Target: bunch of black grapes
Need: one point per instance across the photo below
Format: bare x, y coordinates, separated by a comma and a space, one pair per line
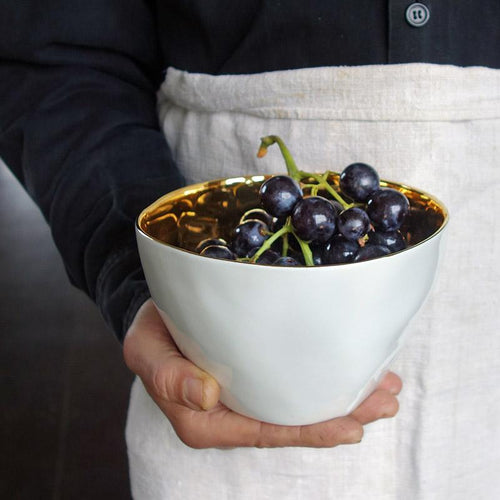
304, 220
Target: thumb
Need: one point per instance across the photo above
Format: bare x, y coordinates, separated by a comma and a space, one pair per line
151, 353
174, 379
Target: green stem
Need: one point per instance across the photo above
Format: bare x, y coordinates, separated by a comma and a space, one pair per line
322, 183
306, 251
291, 167
284, 250
283, 232
268, 243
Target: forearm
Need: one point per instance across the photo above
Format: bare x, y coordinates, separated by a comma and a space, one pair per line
79, 129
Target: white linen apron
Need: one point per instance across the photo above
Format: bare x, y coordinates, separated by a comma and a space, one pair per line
434, 127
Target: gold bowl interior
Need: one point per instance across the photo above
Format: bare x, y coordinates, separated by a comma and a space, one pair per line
185, 217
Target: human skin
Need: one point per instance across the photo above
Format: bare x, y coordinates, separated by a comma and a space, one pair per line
189, 398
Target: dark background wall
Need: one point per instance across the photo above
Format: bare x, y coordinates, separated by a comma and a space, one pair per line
64, 386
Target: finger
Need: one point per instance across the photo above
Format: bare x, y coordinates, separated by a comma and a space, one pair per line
224, 428
380, 404
151, 353
342, 430
391, 383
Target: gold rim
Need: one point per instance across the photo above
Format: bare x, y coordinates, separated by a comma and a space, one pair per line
167, 220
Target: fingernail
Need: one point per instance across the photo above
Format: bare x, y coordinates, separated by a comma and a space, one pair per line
395, 390
193, 392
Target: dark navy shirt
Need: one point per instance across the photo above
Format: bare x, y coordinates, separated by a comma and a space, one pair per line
78, 80
254, 36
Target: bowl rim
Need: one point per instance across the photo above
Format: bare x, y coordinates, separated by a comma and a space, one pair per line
228, 181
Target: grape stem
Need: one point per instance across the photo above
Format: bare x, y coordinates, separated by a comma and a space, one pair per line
267, 244
306, 250
284, 251
287, 228
291, 167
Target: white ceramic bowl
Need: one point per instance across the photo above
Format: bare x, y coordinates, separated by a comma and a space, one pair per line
288, 345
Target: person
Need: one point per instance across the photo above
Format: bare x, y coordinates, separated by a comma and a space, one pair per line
108, 105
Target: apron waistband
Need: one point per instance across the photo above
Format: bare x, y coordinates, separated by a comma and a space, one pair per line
400, 92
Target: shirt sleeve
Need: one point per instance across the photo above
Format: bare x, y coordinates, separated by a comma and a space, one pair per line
78, 128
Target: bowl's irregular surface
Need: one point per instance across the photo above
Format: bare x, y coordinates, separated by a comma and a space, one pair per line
288, 345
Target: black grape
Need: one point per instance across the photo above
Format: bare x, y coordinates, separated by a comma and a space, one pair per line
317, 250
339, 250
359, 181
247, 235
218, 252
353, 223
337, 206
286, 262
279, 194
387, 209
267, 257
393, 240
313, 219
369, 252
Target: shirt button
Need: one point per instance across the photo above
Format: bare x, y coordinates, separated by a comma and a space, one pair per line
417, 15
